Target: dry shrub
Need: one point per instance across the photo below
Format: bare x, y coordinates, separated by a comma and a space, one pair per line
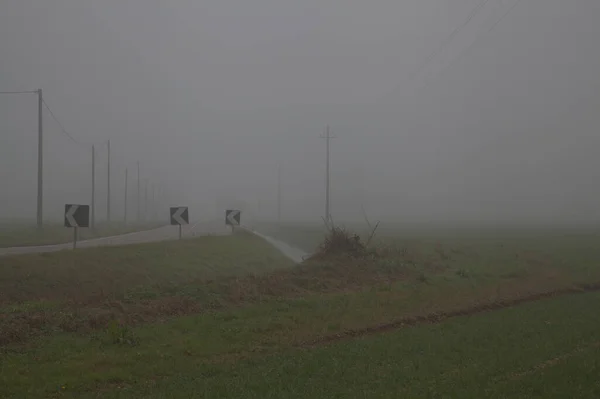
341, 242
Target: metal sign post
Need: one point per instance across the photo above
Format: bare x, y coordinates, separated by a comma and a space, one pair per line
232, 218
179, 217
76, 216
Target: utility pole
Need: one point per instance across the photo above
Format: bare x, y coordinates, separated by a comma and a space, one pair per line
278, 193
145, 200
108, 184
40, 182
93, 187
153, 204
327, 138
157, 201
125, 206
327, 210
40, 171
138, 192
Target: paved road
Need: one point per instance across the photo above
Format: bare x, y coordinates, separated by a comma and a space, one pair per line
164, 233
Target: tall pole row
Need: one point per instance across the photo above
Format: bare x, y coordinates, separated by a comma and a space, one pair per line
148, 213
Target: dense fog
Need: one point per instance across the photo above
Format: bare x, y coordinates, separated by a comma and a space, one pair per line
443, 111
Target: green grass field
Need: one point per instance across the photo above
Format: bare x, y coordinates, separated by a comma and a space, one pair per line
548, 349
83, 290
424, 316
15, 235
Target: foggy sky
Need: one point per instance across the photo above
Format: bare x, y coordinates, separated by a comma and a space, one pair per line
211, 96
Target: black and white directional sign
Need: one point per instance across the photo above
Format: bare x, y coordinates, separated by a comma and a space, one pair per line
77, 215
179, 215
232, 217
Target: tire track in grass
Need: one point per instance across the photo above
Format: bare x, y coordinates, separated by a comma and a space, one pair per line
438, 317
551, 362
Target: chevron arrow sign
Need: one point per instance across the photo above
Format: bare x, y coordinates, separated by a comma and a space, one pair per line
179, 215
77, 215
232, 217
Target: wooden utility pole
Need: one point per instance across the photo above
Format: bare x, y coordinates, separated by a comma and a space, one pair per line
138, 194
93, 221
145, 200
108, 184
279, 194
327, 138
125, 206
40, 176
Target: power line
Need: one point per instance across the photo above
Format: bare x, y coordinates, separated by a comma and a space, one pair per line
515, 4
62, 128
477, 40
481, 36
450, 37
19, 92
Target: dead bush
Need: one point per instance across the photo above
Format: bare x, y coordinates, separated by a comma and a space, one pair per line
341, 242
